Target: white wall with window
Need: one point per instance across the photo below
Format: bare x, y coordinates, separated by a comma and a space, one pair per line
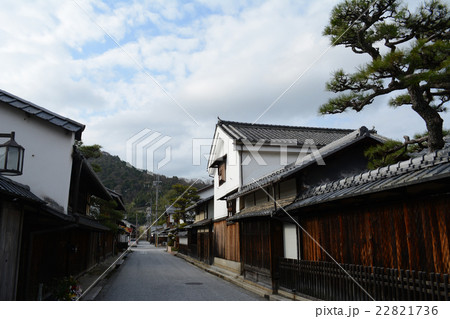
224, 159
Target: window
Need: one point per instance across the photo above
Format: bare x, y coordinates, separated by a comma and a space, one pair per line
231, 207
221, 165
222, 172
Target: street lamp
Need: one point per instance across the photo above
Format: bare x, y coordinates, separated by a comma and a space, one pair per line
11, 156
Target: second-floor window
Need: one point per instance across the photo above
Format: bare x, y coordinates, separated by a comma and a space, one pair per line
231, 205
222, 171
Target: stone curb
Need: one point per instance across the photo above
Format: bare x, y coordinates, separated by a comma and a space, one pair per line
105, 268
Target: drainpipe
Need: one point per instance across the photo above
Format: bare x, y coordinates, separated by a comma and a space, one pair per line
76, 190
241, 180
274, 199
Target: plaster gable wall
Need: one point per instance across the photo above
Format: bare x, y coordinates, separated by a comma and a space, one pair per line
224, 145
48, 155
243, 166
273, 158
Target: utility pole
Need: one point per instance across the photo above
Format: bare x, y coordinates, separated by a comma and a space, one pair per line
137, 230
156, 185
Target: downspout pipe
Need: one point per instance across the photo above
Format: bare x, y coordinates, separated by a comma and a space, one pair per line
274, 199
76, 188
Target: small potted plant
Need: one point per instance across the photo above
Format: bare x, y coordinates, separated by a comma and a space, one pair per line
68, 289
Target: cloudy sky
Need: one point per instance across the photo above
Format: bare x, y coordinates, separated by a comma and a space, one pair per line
170, 68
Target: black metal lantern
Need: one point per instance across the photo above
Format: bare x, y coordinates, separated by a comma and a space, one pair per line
11, 156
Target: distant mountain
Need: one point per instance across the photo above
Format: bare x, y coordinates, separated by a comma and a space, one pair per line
136, 186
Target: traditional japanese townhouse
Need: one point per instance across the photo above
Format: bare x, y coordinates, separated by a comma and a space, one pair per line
199, 240
57, 237
263, 238
383, 234
16, 200
243, 152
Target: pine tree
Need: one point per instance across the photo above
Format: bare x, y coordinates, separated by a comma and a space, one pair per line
181, 197
409, 54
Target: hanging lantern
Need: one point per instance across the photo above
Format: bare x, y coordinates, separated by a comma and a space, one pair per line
11, 156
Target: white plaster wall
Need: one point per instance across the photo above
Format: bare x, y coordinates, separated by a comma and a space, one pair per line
48, 155
290, 240
223, 145
271, 160
268, 159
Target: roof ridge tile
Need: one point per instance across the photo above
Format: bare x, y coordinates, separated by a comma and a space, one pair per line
283, 126
41, 112
379, 176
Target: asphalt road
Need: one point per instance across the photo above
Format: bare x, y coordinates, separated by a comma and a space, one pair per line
151, 274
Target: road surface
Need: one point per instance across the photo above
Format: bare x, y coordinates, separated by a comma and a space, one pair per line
152, 274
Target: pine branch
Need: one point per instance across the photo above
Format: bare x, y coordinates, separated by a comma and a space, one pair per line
407, 142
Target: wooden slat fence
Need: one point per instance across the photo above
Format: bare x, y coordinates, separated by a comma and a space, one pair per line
328, 281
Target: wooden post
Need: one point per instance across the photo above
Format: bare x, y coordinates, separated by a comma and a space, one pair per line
11, 220
433, 294
446, 289
402, 286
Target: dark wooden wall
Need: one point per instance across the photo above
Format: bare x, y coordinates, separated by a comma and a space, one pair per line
256, 243
53, 255
192, 243
261, 248
204, 247
226, 241
412, 234
11, 216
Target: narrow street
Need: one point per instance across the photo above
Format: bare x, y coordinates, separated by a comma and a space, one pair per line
152, 274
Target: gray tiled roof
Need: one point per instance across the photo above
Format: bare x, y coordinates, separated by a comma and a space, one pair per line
422, 169
281, 133
200, 223
42, 113
117, 198
200, 202
287, 171
257, 213
90, 223
261, 210
14, 189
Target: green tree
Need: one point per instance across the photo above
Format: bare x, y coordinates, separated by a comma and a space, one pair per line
106, 212
408, 52
393, 151
135, 214
90, 152
181, 197
385, 154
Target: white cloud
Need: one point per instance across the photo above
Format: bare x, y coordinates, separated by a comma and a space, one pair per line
216, 58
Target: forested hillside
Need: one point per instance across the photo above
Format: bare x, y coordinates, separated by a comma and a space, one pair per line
136, 186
